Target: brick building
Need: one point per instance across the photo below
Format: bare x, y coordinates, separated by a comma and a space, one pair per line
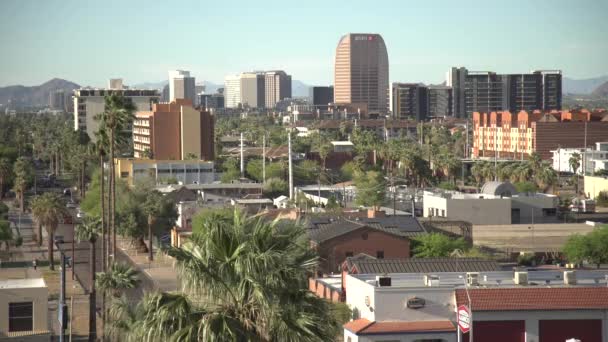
172, 131
335, 239
516, 135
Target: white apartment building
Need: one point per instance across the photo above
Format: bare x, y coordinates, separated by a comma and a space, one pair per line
232, 91
90, 102
24, 310
591, 160
181, 85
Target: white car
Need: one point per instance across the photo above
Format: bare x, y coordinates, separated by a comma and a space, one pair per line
80, 214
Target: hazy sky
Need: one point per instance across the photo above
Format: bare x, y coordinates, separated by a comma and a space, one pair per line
89, 41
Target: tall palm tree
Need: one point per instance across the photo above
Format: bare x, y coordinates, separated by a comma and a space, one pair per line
88, 230
118, 278
101, 147
23, 172
5, 173
575, 162
244, 280
116, 118
49, 210
153, 206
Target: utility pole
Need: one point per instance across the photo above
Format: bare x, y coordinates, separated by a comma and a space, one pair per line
73, 249
394, 196
242, 159
62, 309
290, 166
264, 159
585, 152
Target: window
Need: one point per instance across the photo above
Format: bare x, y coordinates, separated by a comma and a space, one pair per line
349, 254
380, 254
549, 211
20, 316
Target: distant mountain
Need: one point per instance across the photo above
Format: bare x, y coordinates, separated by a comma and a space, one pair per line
582, 87
601, 91
299, 89
22, 96
210, 87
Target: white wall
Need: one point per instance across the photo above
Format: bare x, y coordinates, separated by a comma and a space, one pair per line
473, 210
39, 296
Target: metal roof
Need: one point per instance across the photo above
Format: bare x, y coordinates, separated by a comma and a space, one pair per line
323, 229
363, 265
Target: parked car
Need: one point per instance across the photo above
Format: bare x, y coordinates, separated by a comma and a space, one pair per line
67, 192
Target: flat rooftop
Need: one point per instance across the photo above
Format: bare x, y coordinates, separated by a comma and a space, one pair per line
22, 283
494, 279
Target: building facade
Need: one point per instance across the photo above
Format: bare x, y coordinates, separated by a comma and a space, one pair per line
185, 172
589, 160
90, 102
321, 96
486, 91
211, 101
277, 87
24, 310
173, 131
181, 85
232, 91
439, 101
516, 135
410, 101
253, 89
362, 71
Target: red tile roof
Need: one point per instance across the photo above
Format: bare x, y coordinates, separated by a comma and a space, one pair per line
364, 327
543, 298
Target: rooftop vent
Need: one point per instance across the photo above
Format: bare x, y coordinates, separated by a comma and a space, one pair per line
520, 278
383, 281
431, 280
570, 277
472, 278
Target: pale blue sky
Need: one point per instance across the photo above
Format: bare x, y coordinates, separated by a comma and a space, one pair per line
89, 41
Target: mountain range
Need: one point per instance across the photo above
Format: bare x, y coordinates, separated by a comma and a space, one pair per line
19, 95
582, 86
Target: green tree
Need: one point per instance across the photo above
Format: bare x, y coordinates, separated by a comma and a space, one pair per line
436, 245
23, 171
371, 189
6, 233
117, 279
306, 171
48, 209
575, 162
245, 279
5, 174
88, 230
275, 187
592, 247
153, 207
526, 187
231, 170
115, 119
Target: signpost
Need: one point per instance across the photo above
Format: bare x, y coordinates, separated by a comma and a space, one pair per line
464, 319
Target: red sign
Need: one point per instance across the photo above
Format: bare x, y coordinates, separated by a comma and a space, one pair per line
464, 319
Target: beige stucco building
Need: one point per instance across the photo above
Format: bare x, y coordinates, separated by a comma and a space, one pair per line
24, 310
159, 171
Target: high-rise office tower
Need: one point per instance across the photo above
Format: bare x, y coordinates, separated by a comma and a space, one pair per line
485, 91
439, 101
181, 85
361, 71
410, 101
253, 89
232, 91
321, 97
277, 87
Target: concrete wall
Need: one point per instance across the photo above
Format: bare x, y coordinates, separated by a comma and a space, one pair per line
531, 208
444, 337
39, 296
190, 132
475, 211
390, 304
356, 291
593, 185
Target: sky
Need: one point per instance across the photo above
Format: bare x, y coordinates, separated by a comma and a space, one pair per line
88, 42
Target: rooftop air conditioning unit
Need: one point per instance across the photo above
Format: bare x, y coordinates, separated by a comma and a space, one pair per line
570, 277
383, 281
431, 280
472, 278
520, 278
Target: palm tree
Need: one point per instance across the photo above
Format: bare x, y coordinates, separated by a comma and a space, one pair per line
153, 206
48, 210
545, 176
88, 230
574, 162
118, 278
5, 173
116, 118
101, 147
244, 280
23, 175
6, 233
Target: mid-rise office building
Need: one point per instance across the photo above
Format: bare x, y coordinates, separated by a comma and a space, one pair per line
90, 102
181, 85
517, 135
486, 91
410, 101
58, 99
232, 91
173, 131
361, 71
211, 101
439, 101
321, 96
253, 91
277, 87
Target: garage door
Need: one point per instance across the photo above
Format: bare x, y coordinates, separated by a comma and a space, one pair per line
586, 330
498, 331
